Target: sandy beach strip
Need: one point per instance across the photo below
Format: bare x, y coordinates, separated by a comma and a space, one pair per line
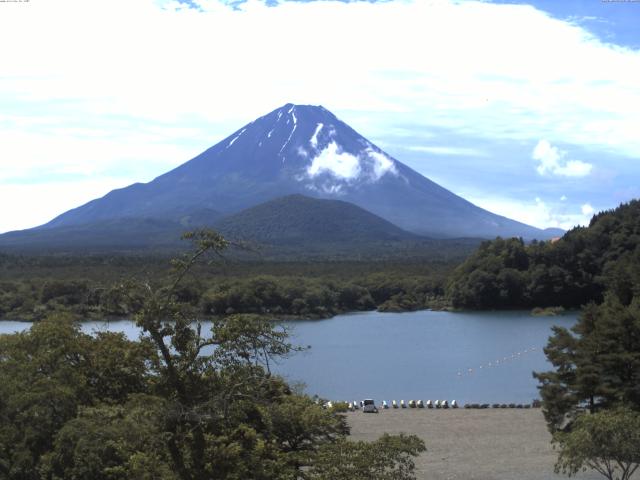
491, 444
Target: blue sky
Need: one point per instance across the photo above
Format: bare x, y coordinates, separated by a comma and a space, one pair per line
528, 109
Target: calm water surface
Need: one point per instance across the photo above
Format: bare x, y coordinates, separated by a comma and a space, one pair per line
471, 357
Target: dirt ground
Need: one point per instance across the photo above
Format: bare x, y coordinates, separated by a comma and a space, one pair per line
491, 444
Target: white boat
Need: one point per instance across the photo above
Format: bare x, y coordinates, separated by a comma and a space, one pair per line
394, 404
420, 404
402, 404
385, 405
454, 404
429, 404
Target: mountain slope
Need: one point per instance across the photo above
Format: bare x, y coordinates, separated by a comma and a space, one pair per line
300, 149
290, 227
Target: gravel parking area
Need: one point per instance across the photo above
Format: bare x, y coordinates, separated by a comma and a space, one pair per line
491, 444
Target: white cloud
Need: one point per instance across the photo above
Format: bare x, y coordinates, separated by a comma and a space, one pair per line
563, 198
60, 151
587, 209
591, 100
552, 162
41, 203
87, 62
452, 151
538, 213
340, 164
574, 168
368, 166
381, 164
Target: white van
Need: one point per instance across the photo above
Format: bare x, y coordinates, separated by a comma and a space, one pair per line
369, 406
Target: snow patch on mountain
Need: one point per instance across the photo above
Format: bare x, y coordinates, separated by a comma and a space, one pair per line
314, 137
339, 164
295, 125
233, 140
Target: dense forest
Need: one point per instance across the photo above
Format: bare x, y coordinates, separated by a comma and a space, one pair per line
91, 286
570, 272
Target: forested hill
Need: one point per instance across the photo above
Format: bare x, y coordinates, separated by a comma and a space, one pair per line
572, 271
303, 221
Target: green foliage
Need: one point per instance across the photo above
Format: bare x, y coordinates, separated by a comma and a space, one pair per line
607, 441
571, 272
35, 287
48, 373
112, 442
492, 277
596, 364
180, 404
388, 458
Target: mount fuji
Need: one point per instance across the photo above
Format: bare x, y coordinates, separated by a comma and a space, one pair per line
295, 149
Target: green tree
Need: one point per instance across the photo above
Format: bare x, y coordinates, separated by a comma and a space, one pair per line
391, 457
47, 374
607, 441
111, 442
597, 364
224, 407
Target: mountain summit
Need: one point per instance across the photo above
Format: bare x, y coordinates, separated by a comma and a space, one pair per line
298, 149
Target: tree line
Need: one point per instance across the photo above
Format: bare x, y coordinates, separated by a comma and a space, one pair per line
575, 270
308, 291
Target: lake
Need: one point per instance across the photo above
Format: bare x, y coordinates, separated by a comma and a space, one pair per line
472, 357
